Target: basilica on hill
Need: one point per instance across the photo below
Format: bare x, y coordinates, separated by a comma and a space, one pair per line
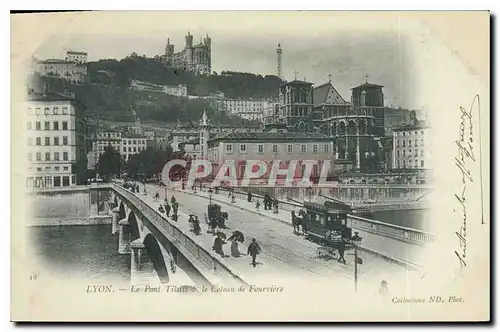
193, 58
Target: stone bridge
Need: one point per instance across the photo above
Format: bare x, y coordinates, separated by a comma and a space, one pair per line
159, 250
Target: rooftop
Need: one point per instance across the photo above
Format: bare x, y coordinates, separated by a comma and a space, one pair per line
320, 94
420, 124
272, 136
296, 82
367, 85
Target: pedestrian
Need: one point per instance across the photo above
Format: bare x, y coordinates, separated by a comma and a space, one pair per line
172, 200
233, 199
235, 252
167, 208
249, 196
383, 288
275, 205
294, 222
254, 250
217, 247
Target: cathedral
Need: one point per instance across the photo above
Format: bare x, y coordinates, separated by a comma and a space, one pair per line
197, 58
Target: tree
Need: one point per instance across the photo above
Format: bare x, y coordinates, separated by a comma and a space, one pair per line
109, 163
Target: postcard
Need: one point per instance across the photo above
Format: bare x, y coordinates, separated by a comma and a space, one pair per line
312, 166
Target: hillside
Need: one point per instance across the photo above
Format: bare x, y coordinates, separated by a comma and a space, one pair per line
116, 103
232, 84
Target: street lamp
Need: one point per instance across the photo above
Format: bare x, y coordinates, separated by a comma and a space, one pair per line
356, 241
209, 196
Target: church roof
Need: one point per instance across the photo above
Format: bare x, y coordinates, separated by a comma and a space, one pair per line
367, 85
323, 91
272, 136
297, 82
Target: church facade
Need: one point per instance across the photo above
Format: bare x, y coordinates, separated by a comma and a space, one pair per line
193, 58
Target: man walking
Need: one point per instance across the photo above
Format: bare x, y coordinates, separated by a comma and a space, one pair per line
254, 250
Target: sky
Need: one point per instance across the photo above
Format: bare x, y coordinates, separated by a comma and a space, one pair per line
249, 45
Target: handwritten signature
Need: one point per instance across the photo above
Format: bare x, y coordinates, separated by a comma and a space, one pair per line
464, 161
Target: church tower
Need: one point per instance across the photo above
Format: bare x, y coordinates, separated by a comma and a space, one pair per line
204, 136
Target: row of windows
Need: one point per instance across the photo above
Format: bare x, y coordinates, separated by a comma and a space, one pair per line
134, 149
38, 156
409, 143
409, 153
38, 140
409, 164
134, 142
289, 148
49, 168
46, 125
47, 182
404, 133
49, 110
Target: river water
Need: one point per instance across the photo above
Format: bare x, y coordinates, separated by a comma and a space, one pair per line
406, 218
88, 251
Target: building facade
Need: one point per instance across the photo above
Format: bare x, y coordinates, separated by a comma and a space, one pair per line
56, 139
101, 141
194, 58
269, 147
237, 106
412, 145
73, 72
178, 90
131, 145
77, 57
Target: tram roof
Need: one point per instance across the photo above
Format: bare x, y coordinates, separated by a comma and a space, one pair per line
328, 206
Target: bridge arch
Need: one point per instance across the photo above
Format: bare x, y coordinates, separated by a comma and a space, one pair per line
121, 211
156, 257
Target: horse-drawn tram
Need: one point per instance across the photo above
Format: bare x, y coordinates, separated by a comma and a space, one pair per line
327, 224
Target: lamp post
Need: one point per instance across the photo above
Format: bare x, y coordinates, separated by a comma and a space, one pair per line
210, 196
356, 240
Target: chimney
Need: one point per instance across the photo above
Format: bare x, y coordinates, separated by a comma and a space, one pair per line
44, 92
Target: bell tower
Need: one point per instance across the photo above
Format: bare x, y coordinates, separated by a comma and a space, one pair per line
204, 136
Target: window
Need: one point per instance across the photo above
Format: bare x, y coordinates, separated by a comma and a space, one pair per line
303, 148
65, 110
404, 143
409, 142
135, 149
416, 163
143, 142
327, 148
30, 140
56, 140
56, 168
38, 156
47, 156
56, 156
37, 111
46, 125
315, 148
243, 147
261, 148
397, 143
28, 125
56, 125
416, 142
124, 142
124, 149
46, 111
289, 148
65, 125
404, 153
38, 125
129, 149
65, 156
404, 163
47, 140
416, 153
56, 110
66, 168
38, 141
421, 163
30, 156
57, 181
135, 142
65, 140
397, 153
275, 148
404, 133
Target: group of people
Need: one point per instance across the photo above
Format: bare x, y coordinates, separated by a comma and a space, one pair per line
253, 248
134, 187
270, 203
166, 208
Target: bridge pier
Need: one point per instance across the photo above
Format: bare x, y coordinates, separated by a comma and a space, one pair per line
124, 237
114, 221
142, 270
